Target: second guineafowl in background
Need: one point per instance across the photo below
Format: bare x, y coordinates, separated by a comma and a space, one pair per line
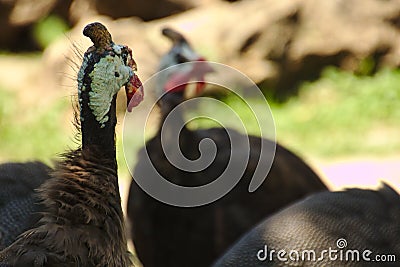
166, 235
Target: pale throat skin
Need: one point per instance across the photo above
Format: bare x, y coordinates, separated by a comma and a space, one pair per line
108, 76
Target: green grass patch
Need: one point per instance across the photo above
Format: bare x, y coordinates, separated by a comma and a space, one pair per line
343, 114
33, 132
48, 29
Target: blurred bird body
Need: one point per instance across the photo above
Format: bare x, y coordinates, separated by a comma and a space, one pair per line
354, 220
166, 235
19, 207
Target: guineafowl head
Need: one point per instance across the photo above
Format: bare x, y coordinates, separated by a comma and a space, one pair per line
106, 67
181, 64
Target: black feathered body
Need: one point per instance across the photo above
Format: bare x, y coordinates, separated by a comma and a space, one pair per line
18, 202
82, 224
173, 236
365, 219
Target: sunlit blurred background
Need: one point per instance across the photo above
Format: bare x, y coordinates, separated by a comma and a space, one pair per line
328, 68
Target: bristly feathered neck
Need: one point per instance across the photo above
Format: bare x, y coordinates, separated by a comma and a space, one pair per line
97, 136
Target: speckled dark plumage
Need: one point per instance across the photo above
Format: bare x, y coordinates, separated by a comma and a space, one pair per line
172, 236
81, 222
366, 219
18, 203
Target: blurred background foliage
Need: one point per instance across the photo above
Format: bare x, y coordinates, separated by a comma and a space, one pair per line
31, 132
337, 115
340, 114
48, 29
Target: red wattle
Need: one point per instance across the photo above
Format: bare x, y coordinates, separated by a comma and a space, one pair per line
134, 92
177, 82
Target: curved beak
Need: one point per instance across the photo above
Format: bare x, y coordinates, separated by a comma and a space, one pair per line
200, 70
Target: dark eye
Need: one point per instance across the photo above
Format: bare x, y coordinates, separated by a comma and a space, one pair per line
180, 59
125, 54
116, 74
